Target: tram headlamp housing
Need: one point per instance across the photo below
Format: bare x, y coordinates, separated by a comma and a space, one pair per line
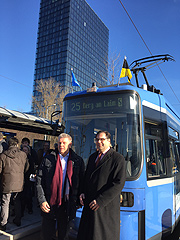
127, 199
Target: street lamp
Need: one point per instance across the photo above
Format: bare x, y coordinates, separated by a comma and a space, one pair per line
45, 136
48, 109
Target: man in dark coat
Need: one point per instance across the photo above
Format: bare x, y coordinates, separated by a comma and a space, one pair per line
27, 194
13, 165
43, 152
58, 186
104, 179
26, 142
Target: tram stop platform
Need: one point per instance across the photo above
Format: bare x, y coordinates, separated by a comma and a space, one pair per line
30, 223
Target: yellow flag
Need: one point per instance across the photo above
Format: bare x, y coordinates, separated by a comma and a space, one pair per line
125, 71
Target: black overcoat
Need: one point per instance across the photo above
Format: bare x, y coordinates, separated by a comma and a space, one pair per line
104, 184
45, 177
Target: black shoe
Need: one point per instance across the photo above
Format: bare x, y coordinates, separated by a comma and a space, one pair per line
17, 223
3, 228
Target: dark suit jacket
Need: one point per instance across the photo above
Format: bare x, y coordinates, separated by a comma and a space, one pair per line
103, 183
45, 176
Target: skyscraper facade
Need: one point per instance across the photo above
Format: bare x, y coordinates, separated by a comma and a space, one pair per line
71, 37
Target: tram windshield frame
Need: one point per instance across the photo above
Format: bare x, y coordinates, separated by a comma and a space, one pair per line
118, 113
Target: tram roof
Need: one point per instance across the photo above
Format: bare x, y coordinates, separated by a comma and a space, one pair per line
147, 95
16, 120
107, 88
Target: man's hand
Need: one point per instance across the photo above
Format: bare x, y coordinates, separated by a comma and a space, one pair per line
93, 205
45, 207
81, 198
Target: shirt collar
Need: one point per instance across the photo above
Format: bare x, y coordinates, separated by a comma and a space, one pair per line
65, 158
106, 151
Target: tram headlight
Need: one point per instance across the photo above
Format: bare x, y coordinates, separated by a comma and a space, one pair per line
127, 199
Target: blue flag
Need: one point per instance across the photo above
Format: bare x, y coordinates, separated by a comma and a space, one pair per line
74, 81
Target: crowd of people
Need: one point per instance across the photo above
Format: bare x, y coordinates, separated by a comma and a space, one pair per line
18, 165
62, 185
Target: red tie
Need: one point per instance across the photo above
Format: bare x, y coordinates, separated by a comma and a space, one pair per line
98, 159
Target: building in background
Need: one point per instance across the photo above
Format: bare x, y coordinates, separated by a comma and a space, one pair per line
71, 36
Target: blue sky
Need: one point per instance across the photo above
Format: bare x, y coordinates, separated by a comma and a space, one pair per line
158, 21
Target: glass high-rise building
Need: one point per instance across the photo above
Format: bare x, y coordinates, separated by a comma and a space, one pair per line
71, 36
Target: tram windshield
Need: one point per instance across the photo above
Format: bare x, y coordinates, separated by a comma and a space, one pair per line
117, 113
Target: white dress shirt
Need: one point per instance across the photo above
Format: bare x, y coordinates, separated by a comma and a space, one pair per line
64, 161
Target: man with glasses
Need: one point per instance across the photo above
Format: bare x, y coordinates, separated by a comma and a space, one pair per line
103, 182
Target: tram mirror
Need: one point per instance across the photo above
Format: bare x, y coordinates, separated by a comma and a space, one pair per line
55, 125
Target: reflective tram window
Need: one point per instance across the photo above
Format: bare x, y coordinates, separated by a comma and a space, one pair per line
154, 151
174, 154
174, 149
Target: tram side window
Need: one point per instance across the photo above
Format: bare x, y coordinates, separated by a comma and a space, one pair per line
154, 151
174, 154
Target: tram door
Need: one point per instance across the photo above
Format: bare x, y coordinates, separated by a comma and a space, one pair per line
158, 193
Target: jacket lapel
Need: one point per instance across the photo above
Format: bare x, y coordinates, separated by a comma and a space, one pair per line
104, 159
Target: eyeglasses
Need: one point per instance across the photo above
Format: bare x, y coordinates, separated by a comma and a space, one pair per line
100, 139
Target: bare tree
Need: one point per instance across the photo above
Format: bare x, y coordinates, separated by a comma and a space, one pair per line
114, 68
48, 97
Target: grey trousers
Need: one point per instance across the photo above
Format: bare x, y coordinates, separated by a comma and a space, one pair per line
5, 207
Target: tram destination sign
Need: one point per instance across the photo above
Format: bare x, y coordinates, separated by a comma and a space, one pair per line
98, 104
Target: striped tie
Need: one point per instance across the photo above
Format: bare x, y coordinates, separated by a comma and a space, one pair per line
98, 159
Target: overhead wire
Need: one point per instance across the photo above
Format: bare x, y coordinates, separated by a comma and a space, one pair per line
148, 48
15, 81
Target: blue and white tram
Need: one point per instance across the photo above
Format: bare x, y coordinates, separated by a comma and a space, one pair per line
145, 130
